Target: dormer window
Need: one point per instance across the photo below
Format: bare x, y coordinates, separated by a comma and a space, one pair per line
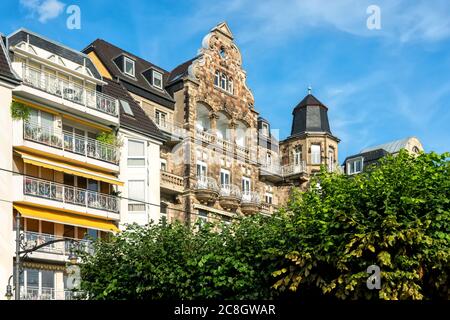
157, 79
128, 66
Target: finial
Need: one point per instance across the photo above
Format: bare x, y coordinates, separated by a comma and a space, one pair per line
309, 89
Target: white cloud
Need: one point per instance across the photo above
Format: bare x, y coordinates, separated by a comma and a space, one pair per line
277, 20
44, 9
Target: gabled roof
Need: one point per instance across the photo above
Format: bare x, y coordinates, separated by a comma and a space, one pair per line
138, 84
53, 47
138, 122
6, 71
391, 147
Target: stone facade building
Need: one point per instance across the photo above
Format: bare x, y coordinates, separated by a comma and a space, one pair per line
220, 159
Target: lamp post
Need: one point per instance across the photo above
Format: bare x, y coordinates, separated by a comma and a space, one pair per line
20, 254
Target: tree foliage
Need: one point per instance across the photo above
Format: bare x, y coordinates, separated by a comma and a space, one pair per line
396, 215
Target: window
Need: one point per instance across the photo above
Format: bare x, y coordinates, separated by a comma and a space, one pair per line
245, 185
224, 177
202, 216
268, 159
136, 153
416, 150
128, 66
157, 79
160, 118
354, 166
222, 53
265, 129
268, 198
217, 78
163, 165
126, 108
223, 83
230, 86
136, 194
226, 220
315, 154
201, 169
297, 156
38, 284
331, 160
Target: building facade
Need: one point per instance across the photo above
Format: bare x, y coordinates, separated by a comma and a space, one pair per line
220, 159
111, 139
369, 156
63, 179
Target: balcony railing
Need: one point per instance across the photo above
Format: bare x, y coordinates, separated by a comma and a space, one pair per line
172, 127
250, 197
69, 90
206, 183
59, 248
293, 169
43, 293
230, 190
172, 181
69, 194
205, 136
71, 142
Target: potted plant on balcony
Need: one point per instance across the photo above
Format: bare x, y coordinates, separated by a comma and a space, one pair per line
19, 111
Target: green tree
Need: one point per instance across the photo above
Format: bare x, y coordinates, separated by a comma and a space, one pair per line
396, 216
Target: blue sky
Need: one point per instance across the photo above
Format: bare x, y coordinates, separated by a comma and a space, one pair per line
379, 85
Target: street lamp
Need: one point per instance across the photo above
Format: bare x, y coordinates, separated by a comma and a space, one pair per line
20, 254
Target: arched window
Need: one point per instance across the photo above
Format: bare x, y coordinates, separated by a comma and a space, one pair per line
223, 84
217, 78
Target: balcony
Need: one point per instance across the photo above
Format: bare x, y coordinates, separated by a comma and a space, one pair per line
55, 251
230, 196
79, 147
293, 169
250, 202
174, 130
205, 136
52, 194
206, 189
171, 183
43, 293
268, 208
63, 93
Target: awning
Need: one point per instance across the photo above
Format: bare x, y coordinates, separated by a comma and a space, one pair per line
70, 169
65, 218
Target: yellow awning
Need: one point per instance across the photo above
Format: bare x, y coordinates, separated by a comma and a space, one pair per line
65, 218
70, 169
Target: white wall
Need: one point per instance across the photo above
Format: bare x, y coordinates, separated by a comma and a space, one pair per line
6, 234
150, 173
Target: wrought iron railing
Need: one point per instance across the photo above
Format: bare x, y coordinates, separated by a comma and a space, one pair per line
293, 168
33, 239
206, 183
71, 142
251, 197
69, 90
69, 194
45, 293
230, 190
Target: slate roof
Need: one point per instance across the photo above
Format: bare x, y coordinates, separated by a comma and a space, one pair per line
369, 157
53, 47
6, 72
139, 85
391, 147
139, 122
180, 71
310, 115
